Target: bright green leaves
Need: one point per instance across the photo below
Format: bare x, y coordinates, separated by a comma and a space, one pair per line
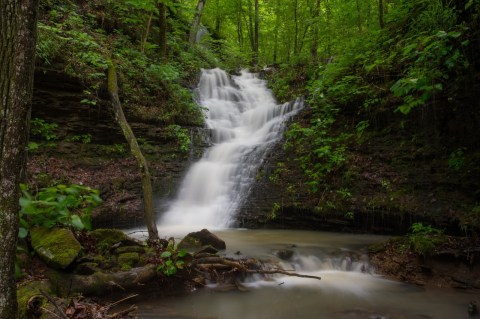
172, 259
424, 239
432, 60
61, 205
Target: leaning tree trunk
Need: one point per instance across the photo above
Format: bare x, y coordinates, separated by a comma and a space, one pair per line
197, 18
136, 152
18, 35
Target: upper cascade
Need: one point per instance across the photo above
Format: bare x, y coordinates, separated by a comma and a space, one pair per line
245, 121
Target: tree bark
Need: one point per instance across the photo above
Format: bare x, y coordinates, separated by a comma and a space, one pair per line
18, 35
359, 17
146, 33
314, 44
295, 20
197, 18
255, 35
136, 152
162, 25
380, 14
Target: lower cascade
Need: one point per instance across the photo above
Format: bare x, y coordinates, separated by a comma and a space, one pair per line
245, 121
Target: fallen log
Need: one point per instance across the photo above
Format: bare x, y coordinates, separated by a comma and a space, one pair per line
221, 263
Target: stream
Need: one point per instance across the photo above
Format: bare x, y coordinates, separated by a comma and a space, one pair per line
245, 121
349, 288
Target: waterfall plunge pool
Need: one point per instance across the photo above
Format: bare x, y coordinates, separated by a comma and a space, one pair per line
349, 288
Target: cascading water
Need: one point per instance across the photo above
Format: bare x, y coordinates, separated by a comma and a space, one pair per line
245, 122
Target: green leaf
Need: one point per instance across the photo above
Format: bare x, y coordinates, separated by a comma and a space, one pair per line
182, 253
77, 222
166, 254
180, 264
22, 232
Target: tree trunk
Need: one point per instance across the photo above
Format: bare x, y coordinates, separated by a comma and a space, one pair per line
136, 152
359, 17
18, 35
197, 18
380, 14
295, 20
146, 33
314, 44
255, 35
162, 26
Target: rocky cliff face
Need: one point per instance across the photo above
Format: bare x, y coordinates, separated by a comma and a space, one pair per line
88, 148
387, 183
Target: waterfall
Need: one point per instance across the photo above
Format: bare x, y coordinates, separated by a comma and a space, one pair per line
245, 121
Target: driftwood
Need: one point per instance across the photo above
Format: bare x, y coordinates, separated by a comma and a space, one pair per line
222, 265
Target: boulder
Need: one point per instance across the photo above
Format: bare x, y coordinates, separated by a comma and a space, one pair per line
107, 238
201, 238
58, 247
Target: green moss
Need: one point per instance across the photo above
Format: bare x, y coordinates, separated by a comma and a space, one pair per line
128, 259
58, 247
26, 292
106, 238
190, 242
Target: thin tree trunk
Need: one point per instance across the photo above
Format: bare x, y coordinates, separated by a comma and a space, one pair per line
250, 25
146, 33
197, 18
18, 35
380, 14
295, 19
314, 44
255, 40
162, 26
359, 16
136, 152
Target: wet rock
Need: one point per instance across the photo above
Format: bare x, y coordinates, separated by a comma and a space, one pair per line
57, 247
128, 260
87, 268
209, 249
129, 249
202, 238
284, 254
107, 238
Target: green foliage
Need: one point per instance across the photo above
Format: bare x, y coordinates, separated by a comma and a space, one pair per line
433, 59
180, 135
360, 128
319, 151
275, 210
64, 205
82, 138
424, 239
172, 259
43, 130
118, 149
456, 160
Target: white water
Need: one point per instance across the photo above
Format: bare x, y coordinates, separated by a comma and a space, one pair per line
245, 120
349, 288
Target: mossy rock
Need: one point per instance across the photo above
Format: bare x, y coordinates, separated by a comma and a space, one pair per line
196, 240
30, 299
127, 260
129, 249
58, 247
106, 238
